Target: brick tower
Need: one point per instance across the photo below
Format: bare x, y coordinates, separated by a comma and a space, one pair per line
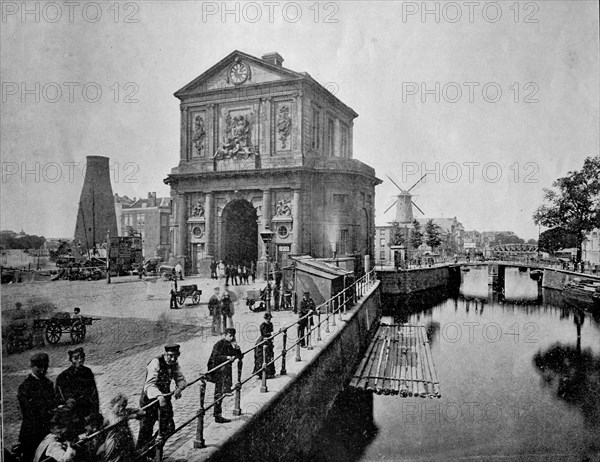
96, 215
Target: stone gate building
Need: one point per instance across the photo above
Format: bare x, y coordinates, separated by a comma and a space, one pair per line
266, 147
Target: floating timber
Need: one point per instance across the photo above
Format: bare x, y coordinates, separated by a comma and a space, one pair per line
398, 362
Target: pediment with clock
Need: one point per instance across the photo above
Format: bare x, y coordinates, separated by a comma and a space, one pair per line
236, 70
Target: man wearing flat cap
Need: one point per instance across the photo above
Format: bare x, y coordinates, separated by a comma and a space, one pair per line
76, 389
305, 314
159, 374
225, 350
37, 400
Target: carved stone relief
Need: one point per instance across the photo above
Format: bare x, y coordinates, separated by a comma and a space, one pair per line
284, 126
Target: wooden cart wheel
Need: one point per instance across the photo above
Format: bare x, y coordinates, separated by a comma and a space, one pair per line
53, 332
78, 332
181, 299
195, 299
165, 276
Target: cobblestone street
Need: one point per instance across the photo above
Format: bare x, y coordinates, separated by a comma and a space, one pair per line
132, 331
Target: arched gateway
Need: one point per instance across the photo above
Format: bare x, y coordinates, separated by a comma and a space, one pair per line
240, 233
264, 147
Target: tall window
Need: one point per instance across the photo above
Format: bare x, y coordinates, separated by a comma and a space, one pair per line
330, 137
164, 228
344, 241
316, 129
344, 142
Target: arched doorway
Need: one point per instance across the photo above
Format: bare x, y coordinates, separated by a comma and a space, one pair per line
240, 233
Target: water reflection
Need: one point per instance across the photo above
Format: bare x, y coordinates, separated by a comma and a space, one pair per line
573, 376
348, 429
515, 285
489, 354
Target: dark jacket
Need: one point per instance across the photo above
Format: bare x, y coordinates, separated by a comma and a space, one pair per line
221, 350
78, 384
37, 400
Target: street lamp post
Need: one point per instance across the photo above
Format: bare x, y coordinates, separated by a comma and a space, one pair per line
267, 237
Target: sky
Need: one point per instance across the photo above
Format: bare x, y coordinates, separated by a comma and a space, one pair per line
494, 100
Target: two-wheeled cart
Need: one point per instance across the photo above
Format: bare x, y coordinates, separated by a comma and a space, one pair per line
63, 323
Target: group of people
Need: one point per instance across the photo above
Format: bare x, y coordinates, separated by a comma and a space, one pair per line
236, 274
221, 308
58, 418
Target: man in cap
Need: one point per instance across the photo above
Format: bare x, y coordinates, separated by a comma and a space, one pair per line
307, 309
159, 374
224, 350
214, 308
76, 389
37, 400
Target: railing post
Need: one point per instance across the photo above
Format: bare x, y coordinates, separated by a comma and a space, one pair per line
340, 298
159, 440
319, 324
327, 317
309, 333
333, 313
263, 385
284, 353
199, 442
237, 409
298, 351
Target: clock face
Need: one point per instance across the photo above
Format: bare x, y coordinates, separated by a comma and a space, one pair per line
238, 73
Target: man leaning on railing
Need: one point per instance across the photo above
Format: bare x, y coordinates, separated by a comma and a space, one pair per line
224, 350
159, 374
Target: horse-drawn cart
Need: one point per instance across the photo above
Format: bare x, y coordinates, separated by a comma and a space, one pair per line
63, 323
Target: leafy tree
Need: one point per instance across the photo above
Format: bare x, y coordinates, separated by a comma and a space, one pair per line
397, 235
507, 238
574, 204
433, 234
531, 242
416, 234
555, 239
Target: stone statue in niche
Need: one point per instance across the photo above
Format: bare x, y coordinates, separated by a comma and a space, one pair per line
237, 142
284, 125
283, 207
198, 210
199, 135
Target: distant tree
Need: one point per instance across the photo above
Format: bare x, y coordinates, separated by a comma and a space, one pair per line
531, 242
507, 238
416, 235
433, 234
574, 204
397, 235
555, 239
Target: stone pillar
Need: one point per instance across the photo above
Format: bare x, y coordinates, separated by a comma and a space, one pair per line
209, 216
261, 265
182, 220
296, 223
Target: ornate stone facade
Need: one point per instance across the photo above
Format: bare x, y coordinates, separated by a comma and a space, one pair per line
273, 146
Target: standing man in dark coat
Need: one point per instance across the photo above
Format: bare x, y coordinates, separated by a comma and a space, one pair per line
173, 300
76, 389
227, 274
224, 350
37, 400
214, 308
213, 270
307, 307
159, 374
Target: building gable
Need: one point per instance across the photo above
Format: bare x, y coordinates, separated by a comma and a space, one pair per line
248, 70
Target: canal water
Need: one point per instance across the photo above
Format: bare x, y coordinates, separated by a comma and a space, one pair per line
519, 373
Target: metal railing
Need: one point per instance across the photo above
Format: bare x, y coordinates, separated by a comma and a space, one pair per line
334, 307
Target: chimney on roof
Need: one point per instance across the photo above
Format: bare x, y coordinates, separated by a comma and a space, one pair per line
273, 58
151, 199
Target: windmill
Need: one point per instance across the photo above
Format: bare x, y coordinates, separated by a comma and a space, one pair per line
404, 203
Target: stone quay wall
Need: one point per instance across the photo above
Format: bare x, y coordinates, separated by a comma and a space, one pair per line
404, 282
284, 428
557, 279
